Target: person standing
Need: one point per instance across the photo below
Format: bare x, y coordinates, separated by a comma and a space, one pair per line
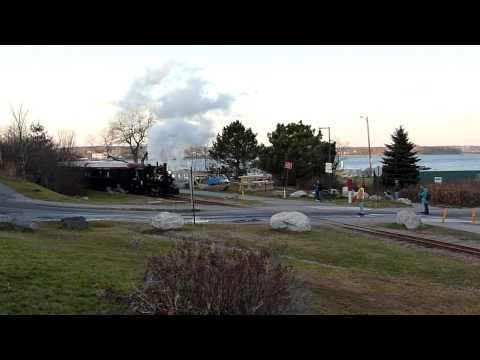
360, 198
396, 190
424, 196
317, 189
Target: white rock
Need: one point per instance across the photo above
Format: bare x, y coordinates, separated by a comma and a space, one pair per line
405, 201
168, 221
409, 219
293, 221
299, 193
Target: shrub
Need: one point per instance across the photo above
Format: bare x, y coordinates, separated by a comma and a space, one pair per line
203, 278
463, 194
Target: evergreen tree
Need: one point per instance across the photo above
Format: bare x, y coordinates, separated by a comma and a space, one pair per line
301, 144
400, 161
235, 147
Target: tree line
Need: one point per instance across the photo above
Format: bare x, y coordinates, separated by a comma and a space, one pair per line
236, 150
28, 151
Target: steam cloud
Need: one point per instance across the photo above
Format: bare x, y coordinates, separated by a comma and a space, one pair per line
181, 111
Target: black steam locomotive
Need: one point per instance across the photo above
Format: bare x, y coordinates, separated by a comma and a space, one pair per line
129, 177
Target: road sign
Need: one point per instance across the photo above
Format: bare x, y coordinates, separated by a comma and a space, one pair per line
328, 167
437, 179
288, 165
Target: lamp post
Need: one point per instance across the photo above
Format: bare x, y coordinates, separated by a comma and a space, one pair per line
369, 149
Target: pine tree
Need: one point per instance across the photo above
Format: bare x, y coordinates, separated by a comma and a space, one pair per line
400, 161
236, 147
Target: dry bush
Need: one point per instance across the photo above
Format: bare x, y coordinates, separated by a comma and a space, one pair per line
204, 278
454, 194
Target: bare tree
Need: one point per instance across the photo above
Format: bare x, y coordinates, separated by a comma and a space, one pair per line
131, 127
17, 135
108, 139
91, 139
66, 144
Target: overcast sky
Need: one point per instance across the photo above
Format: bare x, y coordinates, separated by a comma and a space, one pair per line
433, 91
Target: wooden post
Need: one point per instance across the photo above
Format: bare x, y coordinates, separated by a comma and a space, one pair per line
474, 216
444, 215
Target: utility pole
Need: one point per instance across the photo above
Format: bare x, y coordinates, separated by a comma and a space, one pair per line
369, 148
192, 184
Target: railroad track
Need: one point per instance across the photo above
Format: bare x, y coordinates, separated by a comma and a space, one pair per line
418, 240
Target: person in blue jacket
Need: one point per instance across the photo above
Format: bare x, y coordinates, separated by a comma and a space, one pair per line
424, 196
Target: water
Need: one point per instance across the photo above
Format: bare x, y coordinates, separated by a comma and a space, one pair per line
453, 162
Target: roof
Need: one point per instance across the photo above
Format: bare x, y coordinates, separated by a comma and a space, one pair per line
111, 164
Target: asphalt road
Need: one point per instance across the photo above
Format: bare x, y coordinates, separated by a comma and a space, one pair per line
18, 206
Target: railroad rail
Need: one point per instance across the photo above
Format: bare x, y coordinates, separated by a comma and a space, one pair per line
417, 240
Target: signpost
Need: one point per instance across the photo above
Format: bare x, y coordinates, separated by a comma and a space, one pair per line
437, 179
377, 172
328, 167
287, 166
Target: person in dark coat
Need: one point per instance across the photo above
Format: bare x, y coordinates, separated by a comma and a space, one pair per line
318, 190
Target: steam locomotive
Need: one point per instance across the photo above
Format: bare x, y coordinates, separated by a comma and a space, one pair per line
128, 177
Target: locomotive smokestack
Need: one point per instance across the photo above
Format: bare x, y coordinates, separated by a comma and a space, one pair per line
164, 166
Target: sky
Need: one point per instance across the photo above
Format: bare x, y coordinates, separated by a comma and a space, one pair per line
433, 91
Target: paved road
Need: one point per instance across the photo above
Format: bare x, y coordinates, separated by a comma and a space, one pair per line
16, 205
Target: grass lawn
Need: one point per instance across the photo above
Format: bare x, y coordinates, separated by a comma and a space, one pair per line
34, 191
56, 271
37, 192
437, 230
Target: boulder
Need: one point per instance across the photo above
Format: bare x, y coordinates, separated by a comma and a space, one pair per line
74, 223
6, 222
298, 194
85, 198
168, 221
293, 221
409, 219
25, 224
405, 201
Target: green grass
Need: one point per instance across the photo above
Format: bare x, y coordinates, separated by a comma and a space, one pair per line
54, 271
34, 191
57, 271
38, 192
437, 230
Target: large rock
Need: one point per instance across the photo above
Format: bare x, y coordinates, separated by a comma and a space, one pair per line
75, 223
168, 221
405, 201
298, 194
25, 224
14, 223
293, 221
409, 219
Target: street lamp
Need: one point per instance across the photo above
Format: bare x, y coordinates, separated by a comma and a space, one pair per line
369, 149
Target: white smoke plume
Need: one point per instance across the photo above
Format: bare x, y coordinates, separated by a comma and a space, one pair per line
181, 110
